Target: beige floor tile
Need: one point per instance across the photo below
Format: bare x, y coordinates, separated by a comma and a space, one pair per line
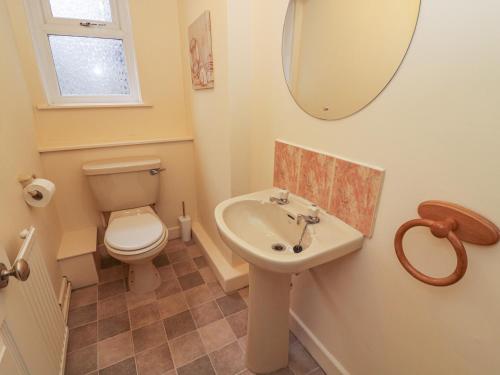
149, 336
112, 326
206, 313
82, 336
111, 306
172, 305
82, 315
83, 297
187, 348
156, 361
184, 267
138, 299
143, 315
244, 293
110, 289
191, 280
200, 366
82, 361
229, 360
216, 289
243, 343
161, 260
300, 361
231, 304
125, 367
174, 245
208, 275
318, 371
167, 288
179, 324
111, 274
115, 349
238, 322
166, 273
194, 251
178, 256
198, 295
200, 262
216, 335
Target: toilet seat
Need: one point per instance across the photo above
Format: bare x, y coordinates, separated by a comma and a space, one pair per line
133, 232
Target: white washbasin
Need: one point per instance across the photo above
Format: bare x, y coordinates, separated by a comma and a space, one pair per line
250, 225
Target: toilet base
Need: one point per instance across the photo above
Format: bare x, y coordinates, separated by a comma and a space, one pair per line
143, 277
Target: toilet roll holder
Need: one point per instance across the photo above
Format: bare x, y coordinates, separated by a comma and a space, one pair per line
25, 180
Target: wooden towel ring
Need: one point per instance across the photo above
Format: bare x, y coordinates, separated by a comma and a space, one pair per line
451, 221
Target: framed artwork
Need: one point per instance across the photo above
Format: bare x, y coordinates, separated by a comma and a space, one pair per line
200, 52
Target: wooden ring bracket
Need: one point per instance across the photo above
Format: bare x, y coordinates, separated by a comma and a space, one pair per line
451, 221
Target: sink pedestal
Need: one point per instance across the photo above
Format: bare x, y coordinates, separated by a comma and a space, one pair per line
267, 348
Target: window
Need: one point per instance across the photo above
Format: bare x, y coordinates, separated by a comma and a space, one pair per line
85, 51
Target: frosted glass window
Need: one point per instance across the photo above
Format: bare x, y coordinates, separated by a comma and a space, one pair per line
95, 10
88, 66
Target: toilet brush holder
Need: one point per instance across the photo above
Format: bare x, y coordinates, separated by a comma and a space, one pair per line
185, 225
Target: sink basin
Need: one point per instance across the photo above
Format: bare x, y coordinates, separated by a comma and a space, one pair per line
250, 225
264, 234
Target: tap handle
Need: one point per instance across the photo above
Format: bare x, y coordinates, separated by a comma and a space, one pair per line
283, 194
313, 211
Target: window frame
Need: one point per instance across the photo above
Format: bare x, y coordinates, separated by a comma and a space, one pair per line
43, 24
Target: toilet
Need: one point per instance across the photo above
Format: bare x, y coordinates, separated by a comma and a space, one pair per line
127, 189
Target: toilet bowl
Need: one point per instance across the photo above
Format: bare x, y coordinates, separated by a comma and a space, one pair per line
135, 237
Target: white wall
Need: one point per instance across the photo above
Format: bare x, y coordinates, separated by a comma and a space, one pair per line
18, 156
435, 130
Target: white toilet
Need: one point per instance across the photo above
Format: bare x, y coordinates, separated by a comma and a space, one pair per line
126, 188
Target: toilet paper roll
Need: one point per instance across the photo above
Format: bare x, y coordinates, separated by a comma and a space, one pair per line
39, 192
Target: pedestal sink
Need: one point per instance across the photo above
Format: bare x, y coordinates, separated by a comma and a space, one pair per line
264, 234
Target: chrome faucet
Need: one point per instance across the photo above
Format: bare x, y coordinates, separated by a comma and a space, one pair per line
308, 219
311, 218
282, 199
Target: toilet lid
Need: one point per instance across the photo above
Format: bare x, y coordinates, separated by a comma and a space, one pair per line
134, 232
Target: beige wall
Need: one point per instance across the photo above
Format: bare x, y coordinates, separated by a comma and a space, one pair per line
435, 131
157, 43
76, 205
18, 156
211, 117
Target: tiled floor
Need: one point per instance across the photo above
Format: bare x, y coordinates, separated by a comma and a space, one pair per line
188, 326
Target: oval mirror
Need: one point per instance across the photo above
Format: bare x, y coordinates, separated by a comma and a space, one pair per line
338, 55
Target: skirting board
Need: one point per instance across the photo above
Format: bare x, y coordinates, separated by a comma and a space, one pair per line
230, 278
325, 359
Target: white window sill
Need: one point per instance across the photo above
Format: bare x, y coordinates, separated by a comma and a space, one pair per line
43, 107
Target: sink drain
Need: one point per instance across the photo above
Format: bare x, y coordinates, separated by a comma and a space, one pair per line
278, 247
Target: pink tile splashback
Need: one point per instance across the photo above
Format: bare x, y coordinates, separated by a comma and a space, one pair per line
316, 177
347, 190
286, 166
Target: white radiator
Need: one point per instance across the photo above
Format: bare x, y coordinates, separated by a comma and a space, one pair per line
42, 300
